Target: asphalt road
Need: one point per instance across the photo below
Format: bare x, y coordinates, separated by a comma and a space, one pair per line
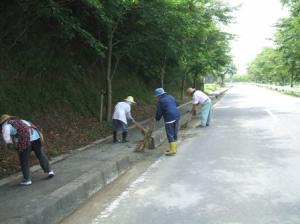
243, 169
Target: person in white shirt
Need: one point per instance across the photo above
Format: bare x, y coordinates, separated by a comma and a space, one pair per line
200, 98
119, 119
23, 136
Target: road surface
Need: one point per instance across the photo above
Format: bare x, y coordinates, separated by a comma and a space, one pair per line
243, 169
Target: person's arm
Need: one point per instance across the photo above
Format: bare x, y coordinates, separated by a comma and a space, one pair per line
7, 137
195, 103
177, 104
128, 113
129, 116
6, 134
194, 109
158, 112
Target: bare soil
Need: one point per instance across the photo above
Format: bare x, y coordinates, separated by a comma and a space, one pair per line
65, 131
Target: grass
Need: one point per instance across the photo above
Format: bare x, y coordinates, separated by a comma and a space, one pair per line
209, 88
295, 91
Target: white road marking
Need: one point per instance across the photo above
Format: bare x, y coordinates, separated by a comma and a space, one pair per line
126, 194
272, 115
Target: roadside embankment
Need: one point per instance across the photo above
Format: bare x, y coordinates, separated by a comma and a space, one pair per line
78, 177
295, 91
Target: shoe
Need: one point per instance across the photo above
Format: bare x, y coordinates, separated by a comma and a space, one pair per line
51, 174
26, 182
201, 126
115, 139
124, 137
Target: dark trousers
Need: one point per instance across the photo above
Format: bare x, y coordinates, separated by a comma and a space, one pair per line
24, 156
116, 124
172, 130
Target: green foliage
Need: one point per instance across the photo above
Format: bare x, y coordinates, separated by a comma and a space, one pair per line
241, 78
210, 88
57, 53
281, 65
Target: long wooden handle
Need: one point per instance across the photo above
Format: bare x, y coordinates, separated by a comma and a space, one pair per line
140, 126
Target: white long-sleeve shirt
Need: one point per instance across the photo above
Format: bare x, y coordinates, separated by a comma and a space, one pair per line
122, 112
8, 131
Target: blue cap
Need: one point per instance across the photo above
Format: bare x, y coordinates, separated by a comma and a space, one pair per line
159, 92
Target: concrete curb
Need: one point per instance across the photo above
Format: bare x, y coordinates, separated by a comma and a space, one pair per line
67, 198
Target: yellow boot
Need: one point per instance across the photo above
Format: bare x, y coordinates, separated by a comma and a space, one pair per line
172, 149
174, 146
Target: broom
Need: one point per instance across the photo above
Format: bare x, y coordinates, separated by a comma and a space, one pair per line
148, 140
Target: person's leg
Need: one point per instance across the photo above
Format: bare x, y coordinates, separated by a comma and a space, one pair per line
209, 115
24, 163
205, 108
124, 131
176, 128
170, 131
115, 126
40, 154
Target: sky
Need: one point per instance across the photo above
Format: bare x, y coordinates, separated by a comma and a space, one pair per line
254, 27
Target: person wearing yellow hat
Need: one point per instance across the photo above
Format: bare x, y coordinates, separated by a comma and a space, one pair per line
122, 112
200, 98
24, 136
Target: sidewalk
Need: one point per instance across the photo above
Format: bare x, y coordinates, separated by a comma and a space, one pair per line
78, 177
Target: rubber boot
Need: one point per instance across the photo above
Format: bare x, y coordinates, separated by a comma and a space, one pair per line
172, 151
174, 147
124, 137
115, 140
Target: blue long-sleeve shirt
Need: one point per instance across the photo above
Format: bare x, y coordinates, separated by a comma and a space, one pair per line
167, 108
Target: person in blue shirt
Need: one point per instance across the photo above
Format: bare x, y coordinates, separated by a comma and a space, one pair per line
167, 108
23, 136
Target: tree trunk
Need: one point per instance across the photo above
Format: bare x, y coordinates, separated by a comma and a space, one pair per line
163, 72
162, 77
195, 81
202, 84
109, 99
292, 79
223, 80
109, 80
183, 86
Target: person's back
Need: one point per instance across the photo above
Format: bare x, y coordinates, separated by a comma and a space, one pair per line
167, 108
120, 111
199, 97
